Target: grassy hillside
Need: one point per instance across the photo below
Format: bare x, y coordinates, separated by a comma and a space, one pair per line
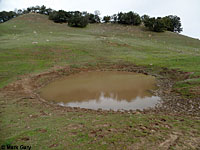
31, 44
59, 44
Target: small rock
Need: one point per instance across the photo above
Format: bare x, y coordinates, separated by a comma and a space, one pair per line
34, 42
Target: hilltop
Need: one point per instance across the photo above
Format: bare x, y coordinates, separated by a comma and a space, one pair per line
31, 45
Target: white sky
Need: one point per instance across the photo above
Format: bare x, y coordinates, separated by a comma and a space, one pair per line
188, 10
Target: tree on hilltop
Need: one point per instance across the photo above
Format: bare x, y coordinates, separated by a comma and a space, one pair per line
60, 16
145, 18
173, 23
77, 19
155, 24
114, 18
5, 16
129, 18
106, 19
93, 18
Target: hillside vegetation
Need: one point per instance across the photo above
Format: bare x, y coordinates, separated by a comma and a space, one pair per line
32, 44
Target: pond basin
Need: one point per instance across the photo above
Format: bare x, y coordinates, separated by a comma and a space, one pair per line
103, 90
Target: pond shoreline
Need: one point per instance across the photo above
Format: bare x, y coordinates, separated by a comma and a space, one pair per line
172, 102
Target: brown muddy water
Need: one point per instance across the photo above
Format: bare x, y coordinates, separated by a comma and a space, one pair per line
105, 90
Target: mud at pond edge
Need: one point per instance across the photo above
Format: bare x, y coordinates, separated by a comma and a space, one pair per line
172, 102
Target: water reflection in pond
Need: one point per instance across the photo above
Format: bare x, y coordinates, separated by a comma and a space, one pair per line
105, 90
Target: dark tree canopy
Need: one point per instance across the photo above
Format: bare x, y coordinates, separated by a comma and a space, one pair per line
78, 20
155, 24
60, 16
159, 25
93, 18
145, 18
106, 19
81, 19
42, 9
173, 23
5, 16
74, 18
114, 18
168, 23
129, 18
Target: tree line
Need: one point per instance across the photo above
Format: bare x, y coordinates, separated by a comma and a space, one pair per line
5, 16
81, 19
160, 24
75, 18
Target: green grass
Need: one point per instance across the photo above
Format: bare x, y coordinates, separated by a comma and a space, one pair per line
59, 44
30, 123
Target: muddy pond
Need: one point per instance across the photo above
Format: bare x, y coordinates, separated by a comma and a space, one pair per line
105, 90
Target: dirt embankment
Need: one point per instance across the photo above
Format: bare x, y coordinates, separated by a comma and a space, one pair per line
172, 102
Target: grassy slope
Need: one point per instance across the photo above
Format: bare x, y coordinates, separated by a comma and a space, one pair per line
59, 44
96, 43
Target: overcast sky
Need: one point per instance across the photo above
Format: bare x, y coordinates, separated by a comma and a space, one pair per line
188, 10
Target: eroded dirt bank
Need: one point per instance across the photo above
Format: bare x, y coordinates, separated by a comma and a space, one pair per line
172, 103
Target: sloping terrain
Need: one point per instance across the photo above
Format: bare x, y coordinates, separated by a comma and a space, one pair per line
31, 45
